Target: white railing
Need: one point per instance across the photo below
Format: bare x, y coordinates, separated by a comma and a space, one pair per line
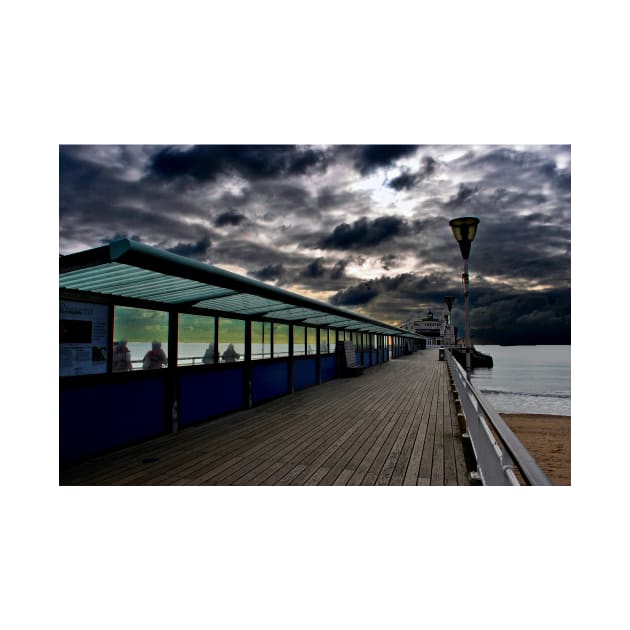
498, 452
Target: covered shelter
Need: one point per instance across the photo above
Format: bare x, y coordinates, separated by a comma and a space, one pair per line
230, 342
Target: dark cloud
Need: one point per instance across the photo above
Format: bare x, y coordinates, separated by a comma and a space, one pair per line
339, 269
269, 273
119, 236
284, 206
357, 295
314, 269
207, 162
198, 250
408, 180
101, 193
231, 217
329, 198
404, 181
560, 179
522, 318
371, 157
388, 261
363, 233
364, 292
463, 194
517, 169
496, 315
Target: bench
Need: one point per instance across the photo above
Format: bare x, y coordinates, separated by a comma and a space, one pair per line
348, 359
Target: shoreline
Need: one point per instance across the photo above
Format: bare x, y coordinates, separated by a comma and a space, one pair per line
548, 438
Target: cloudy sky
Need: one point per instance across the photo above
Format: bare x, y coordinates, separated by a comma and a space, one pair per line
361, 226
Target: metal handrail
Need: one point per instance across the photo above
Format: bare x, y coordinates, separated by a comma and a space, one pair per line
255, 356
495, 460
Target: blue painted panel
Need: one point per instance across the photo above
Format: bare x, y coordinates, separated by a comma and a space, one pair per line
366, 359
329, 368
359, 358
304, 373
375, 357
269, 380
206, 394
108, 415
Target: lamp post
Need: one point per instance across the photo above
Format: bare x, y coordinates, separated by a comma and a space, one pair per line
464, 230
449, 299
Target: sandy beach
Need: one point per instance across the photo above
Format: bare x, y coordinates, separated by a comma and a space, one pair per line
548, 439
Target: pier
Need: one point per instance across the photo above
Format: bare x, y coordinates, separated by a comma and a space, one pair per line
394, 425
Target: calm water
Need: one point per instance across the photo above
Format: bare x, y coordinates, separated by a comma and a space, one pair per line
527, 379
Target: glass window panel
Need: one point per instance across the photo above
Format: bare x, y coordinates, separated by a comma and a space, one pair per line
323, 341
231, 340
299, 336
331, 340
195, 340
140, 339
261, 340
280, 340
311, 340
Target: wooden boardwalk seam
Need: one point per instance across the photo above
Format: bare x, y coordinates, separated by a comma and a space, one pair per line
394, 425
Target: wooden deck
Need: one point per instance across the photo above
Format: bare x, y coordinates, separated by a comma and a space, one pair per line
394, 425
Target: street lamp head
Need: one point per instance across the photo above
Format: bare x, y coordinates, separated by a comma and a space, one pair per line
464, 230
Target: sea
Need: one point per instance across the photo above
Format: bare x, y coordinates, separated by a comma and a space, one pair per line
192, 353
526, 379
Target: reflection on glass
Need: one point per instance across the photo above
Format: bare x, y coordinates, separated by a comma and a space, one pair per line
139, 329
195, 340
261, 340
311, 340
231, 341
331, 340
280, 340
299, 337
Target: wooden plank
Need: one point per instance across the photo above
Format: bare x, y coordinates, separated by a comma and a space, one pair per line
450, 440
426, 461
399, 473
413, 468
394, 456
354, 452
305, 447
393, 404
381, 456
347, 431
437, 466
